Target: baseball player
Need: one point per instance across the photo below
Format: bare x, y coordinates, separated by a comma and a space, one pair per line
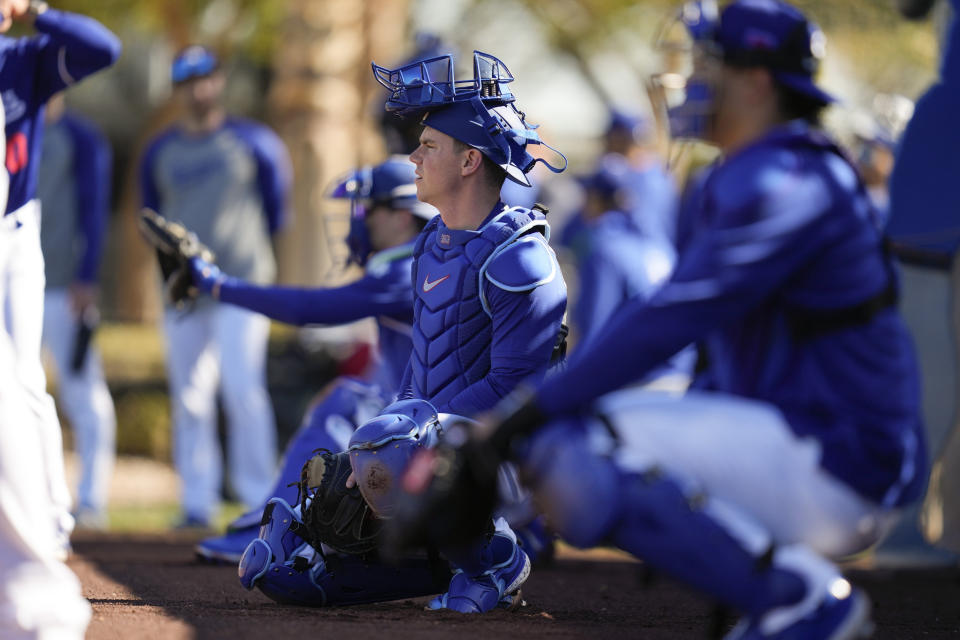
73, 186
227, 180
385, 219
39, 596
488, 306
809, 440
619, 260
650, 193
66, 48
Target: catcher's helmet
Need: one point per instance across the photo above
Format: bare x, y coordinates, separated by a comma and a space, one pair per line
381, 448
390, 184
480, 112
748, 33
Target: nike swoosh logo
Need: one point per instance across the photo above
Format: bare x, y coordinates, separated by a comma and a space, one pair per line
427, 285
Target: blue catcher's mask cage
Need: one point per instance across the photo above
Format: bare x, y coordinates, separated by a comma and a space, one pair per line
479, 112
193, 62
389, 184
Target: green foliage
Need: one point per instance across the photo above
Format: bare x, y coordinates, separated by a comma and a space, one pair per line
143, 423
251, 27
159, 517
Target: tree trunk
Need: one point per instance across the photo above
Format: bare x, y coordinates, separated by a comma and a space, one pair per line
320, 105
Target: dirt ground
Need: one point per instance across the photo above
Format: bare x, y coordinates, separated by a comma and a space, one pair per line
148, 586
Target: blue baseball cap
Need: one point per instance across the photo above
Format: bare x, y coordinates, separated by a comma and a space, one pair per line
777, 36
611, 178
499, 133
633, 123
193, 62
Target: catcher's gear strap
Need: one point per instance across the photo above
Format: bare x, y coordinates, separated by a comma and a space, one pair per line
333, 514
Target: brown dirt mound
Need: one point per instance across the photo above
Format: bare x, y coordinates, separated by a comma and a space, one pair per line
149, 586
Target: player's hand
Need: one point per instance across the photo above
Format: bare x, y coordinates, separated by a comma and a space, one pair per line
11, 10
207, 276
82, 296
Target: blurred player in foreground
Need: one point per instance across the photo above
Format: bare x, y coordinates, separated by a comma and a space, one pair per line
74, 189
39, 596
227, 180
809, 439
385, 219
488, 305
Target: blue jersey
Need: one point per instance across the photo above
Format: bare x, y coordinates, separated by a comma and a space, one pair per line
67, 48
383, 293
487, 310
73, 187
922, 198
782, 226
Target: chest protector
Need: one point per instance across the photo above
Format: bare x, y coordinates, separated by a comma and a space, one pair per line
453, 325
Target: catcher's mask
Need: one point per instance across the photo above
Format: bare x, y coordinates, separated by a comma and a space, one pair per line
381, 448
747, 33
389, 184
479, 112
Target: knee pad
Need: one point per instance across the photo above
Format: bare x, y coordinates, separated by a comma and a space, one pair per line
577, 488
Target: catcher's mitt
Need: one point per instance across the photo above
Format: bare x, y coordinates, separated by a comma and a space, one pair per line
335, 515
175, 246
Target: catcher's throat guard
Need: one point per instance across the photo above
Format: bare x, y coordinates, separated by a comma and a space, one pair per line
381, 448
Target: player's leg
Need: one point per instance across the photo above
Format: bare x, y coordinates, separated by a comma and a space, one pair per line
288, 570
23, 311
39, 596
85, 400
193, 373
728, 445
596, 489
252, 434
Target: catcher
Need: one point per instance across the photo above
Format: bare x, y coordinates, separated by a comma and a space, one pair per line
488, 306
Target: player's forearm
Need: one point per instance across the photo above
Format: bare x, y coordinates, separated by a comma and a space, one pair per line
299, 306
88, 46
499, 382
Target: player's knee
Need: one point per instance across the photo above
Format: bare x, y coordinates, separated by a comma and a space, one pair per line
577, 488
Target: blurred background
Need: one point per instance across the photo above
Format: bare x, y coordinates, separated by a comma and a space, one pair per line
303, 68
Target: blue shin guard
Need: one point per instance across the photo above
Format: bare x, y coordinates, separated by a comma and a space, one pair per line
287, 570
707, 544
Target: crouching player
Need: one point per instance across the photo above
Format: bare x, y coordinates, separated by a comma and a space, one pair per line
488, 305
385, 219
809, 439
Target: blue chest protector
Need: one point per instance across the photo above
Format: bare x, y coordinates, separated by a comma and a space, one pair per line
452, 270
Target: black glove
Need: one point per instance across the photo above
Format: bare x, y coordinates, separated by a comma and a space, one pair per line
336, 516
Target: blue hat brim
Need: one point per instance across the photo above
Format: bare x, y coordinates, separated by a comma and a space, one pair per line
803, 84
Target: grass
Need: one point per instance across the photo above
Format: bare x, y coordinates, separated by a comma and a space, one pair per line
156, 518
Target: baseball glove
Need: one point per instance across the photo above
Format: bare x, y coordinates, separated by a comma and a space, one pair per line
175, 246
332, 513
